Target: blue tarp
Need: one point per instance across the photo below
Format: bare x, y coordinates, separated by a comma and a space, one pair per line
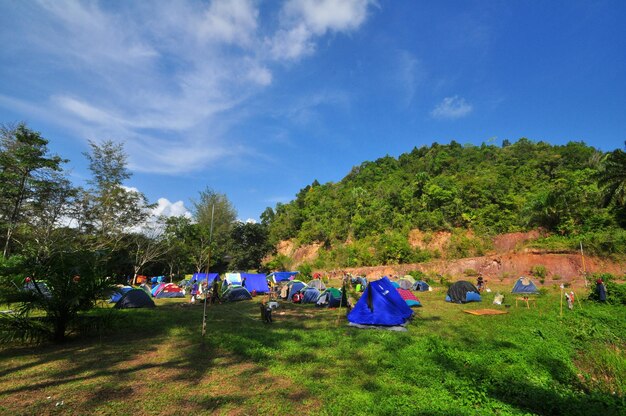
282, 276
380, 304
203, 276
256, 282
525, 285
157, 279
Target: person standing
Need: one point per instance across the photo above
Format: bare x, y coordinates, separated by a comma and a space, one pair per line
194, 291
601, 290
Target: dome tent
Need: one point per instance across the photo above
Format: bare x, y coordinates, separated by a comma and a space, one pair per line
236, 293
421, 286
331, 297
310, 295
294, 287
169, 290
462, 292
380, 305
525, 286
135, 298
317, 284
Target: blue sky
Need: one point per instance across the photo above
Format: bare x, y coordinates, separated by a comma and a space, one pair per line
256, 99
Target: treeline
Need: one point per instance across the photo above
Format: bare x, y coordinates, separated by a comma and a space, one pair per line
43, 215
64, 247
573, 191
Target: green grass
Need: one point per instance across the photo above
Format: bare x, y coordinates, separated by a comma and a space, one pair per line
530, 361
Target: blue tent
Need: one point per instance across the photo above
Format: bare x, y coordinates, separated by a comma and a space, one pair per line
119, 292
135, 298
294, 288
282, 276
310, 295
157, 288
257, 282
421, 286
380, 304
203, 276
525, 285
235, 293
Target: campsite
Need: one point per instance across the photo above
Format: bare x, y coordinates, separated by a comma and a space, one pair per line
309, 361
312, 207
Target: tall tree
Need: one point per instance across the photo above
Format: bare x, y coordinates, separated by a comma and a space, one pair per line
25, 167
249, 244
216, 208
109, 209
612, 176
147, 246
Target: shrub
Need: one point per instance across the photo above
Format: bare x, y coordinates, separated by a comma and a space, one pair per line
470, 272
539, 271
306, 271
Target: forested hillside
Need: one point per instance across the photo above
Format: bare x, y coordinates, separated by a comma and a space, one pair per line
573, 191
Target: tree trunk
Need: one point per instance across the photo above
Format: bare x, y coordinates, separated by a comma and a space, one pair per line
60, 326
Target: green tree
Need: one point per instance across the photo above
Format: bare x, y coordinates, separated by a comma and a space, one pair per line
26, 167
108, 209
612, 178
216, 209
248, 245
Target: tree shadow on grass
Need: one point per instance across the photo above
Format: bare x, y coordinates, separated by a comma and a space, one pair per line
163, 343
564, 395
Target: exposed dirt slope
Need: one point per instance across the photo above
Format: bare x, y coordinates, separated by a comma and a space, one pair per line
505, 264
504, 268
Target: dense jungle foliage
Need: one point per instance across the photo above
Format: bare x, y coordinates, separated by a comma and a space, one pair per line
573, 191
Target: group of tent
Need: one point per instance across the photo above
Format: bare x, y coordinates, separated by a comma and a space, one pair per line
383, 302
381, 306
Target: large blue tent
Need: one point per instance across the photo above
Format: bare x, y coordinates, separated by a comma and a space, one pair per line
203, 276
256, 282
380, 305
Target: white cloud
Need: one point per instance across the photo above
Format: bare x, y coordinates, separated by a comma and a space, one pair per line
169, 79
303, 20
408, 75
167, 208
452, 108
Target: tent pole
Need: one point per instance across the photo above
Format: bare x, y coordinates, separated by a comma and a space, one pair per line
208, 264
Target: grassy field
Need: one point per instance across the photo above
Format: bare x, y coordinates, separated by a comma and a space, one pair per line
529, 361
